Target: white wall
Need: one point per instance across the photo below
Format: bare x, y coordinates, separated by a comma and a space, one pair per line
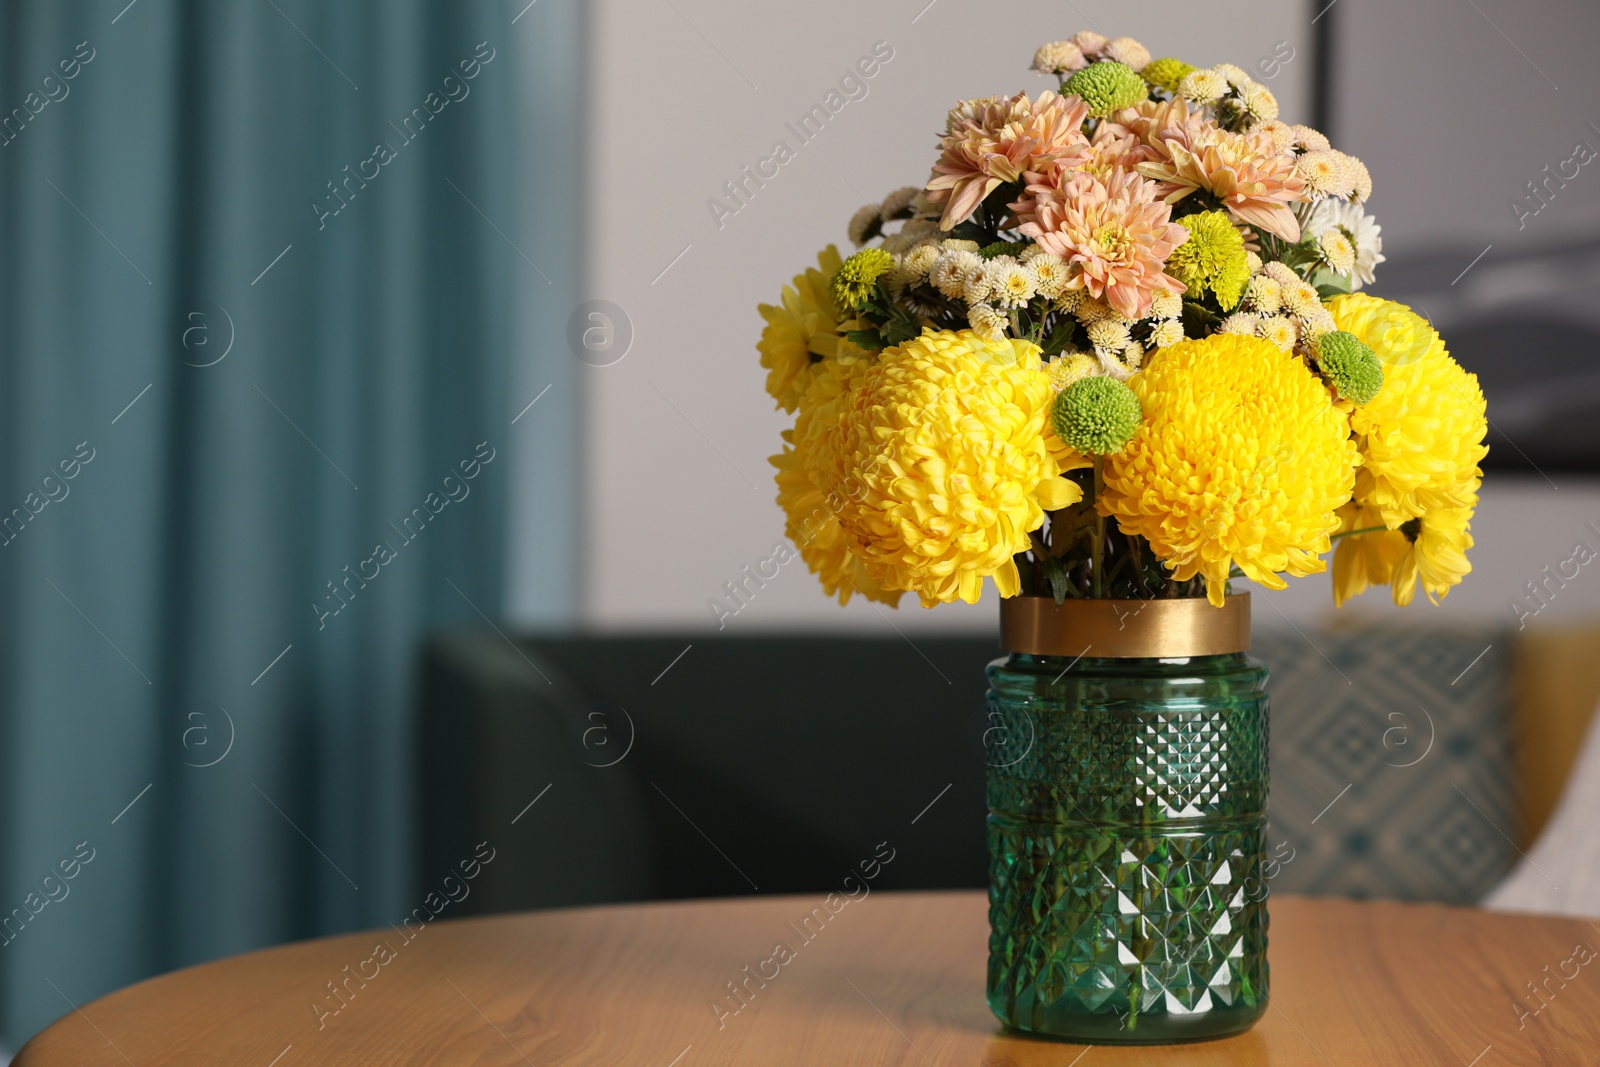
678, 492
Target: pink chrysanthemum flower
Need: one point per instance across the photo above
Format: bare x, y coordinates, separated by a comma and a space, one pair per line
999, 144
1114, 233
1247, 173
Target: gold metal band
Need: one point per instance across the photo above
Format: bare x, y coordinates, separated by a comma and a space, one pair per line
1125, 629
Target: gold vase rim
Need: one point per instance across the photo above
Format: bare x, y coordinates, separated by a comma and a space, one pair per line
1174, 628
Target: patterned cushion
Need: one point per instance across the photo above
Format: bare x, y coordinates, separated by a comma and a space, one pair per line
1391, 761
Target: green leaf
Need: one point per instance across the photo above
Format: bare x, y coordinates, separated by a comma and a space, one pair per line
899, 330
1060, 580
1060, 336
1330, 284
870, 340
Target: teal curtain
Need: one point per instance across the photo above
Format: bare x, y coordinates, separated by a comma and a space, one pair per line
258, 286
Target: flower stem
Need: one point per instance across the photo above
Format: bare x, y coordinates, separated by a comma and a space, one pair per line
1352, 533
1097, 575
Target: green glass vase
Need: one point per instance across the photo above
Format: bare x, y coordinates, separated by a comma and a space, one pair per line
1127, 818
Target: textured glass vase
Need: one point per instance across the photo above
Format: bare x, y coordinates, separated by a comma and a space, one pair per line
1127, 822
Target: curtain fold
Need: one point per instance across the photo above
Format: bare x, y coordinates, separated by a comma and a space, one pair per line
257, 308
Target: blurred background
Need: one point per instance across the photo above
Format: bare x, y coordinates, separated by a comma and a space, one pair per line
380, 424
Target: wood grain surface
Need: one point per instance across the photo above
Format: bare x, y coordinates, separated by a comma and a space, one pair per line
892, 979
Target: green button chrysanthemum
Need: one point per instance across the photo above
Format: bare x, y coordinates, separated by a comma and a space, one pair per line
1213, 257
1166, 73
1107, 86
857, 275
1096, 416
1351, 367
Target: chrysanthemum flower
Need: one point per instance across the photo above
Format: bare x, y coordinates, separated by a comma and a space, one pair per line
1242, 459
1202, 86
1236, 76
1360, 180
1059, 57
1166, 73
1362, 230
1245, 171
1106, 86
1166, 306
1430, 550
1281, 133
1337, 250
1300, 299
1212, 258
1421, 437
1308, 140
865, 224
1070, 367
949, 271
1128, 52
1166, 333
803, 331
944, 445
1049, 273
1263, 294
1002, 143
986, 322
1090, 42
898, 203
1115, 234
1259, 103
857, 276
914, 266
1280, 330
1325, 173
811, 519
1240, 323
1109, 335
1010, 283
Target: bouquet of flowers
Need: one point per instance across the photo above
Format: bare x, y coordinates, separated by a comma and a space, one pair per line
1116, 347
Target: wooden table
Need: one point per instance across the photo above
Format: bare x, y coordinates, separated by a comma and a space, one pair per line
892, 979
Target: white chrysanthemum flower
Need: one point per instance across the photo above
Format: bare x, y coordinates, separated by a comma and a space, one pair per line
1300, 300
1362, 229
1360, 180
1166, 305
1128, 52
1011, 284
1259, 102
1030, 252
1282, 133
1112, 366
1049, 274
1202, 87
1091, 310
1252, 261
1089, 42
986, 322
1133, 356
1071, 300
918, 262
955, 244
897, 242
1059, 57
1308, 140
1316, 324
1338, 250
1240, 322
898, 203
1280, 330
1071, 366
1109, 335
1263, 294
1236, 76
1325, 173
865, 224
1167, 332
949, 272
977, 285
1280, 273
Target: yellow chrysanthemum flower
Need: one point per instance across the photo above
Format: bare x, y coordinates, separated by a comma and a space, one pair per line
1421, 437
1242, 459
943, 464
812, 515
1430, 549
803, 331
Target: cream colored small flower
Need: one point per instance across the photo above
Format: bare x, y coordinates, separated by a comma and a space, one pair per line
1317, 323
1325, 173
1070, 367
865, 224
1071, 301
1308, 140
1166, 305
1259, 102
1089, 42
1240, 322
1360, 180
986, 322
1167, 332
1011, 284
1280, 330
1119, 365
1202, 87
949, 272
1133, 356
977, 285
923, 208
1281, 274
1282, 133
957, 245
916, 264
1337, 250
1127, 51
1263, 294
1300, 300
898, 203
1252, 260
1236, 76
1109, 335
1049, 274
1092, 310
1059, 57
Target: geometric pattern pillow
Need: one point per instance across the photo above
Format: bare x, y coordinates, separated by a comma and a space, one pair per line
1392, 773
